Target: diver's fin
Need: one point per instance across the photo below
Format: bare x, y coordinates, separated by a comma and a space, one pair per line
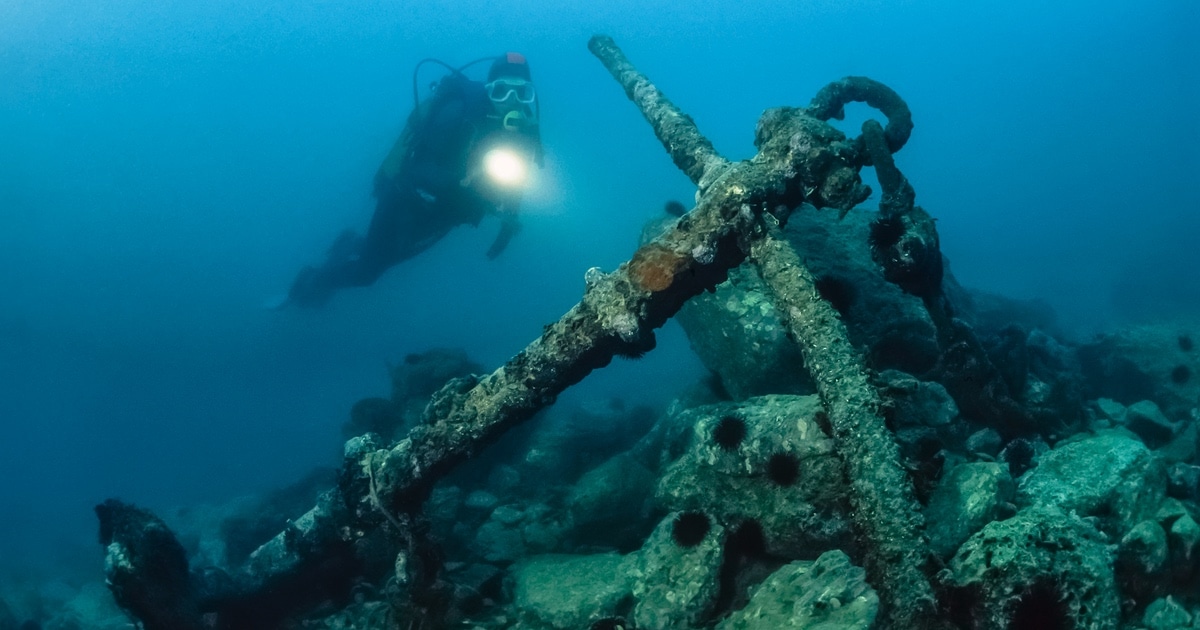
346, 246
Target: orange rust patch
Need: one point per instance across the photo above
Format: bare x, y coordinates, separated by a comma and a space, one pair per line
653, 267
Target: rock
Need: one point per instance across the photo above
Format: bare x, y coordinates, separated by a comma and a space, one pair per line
543, 528
1043, 568
609, 505
1184, 481
559, 591
517, 530
364, 614
571, 441
503, 479
474, 584
970, 496
496, 542
481, 500
225, 535
422, 374
989, 313
923, 417
1184, 446
827, 593
737, 333
508, 515
1043, 375
91, 608
1157, 362
676, 574
443, 505
1169, 510
416, 379
1143, 550
984, 442
892, 327
980, 387
765, 461
375, 415
1166, 614
1054, 392
1184, 538
1111, 475
917, 402
1146, 420
1111, 410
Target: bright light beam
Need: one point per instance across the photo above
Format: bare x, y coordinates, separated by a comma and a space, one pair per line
505, 167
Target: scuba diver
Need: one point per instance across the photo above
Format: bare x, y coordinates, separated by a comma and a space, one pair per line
464, 153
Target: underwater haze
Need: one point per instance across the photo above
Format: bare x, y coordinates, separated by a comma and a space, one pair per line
167, 167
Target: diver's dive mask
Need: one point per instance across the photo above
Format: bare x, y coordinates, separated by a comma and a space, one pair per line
514, 101
505, 89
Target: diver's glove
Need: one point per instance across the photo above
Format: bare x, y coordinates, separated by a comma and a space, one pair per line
509, 226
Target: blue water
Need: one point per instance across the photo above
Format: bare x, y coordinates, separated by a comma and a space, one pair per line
166, 167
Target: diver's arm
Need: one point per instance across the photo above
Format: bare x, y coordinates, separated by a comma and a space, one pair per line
539, 152
509, 226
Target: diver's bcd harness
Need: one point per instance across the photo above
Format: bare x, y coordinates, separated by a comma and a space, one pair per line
453, 72
525, 115
514, 112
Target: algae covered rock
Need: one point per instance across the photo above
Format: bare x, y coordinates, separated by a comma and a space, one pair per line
610, 503
1166, 614
1043, 568
1149, 423
737, 333
91, 608
829, 593
765, 461
892, 327
969, 496
1184, 540
676, 574
516, 530
560, 591
567, 442
1111, 475
673, 581
1143, 551
918, 403
923, 417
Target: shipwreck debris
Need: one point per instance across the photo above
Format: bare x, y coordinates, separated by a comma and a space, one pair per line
375, 507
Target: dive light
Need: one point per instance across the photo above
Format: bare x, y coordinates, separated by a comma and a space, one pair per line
505, 167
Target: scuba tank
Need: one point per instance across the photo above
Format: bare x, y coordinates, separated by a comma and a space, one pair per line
416, 126
429, 133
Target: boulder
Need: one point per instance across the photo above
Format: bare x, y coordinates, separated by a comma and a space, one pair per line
1158, 362
1111, 475
561, 591
969, 496
827, 593
766, 462
1043, 568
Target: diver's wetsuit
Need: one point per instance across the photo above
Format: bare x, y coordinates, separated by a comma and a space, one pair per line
419, 194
